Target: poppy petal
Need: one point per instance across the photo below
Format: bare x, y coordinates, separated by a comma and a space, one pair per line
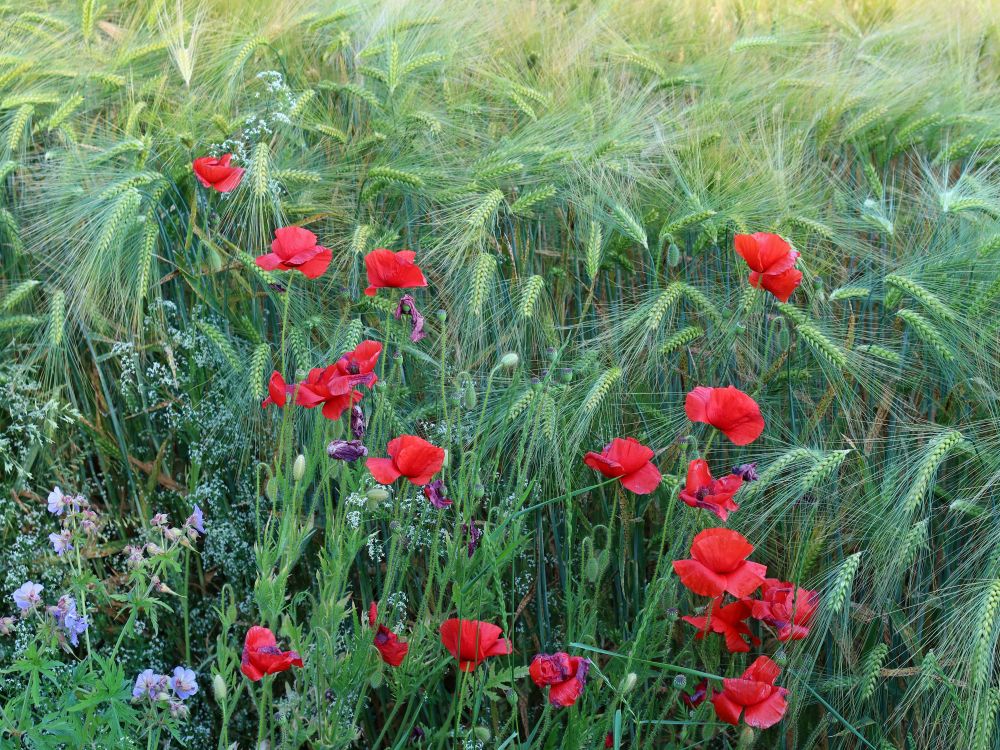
268, 262
382, 470
725, 709
745, 579
643, 481
696, 404
698, 578
768, 712
722, 550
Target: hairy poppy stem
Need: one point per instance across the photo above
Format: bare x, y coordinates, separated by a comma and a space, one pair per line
661, 665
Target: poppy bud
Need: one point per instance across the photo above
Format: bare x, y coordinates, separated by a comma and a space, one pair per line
566, 375
781, 657
510, 360
377, 495
593, 569
551, 352
482, 734
271, 489
628, 682
680, 681
441, 315
469, 396
747, 738
478, 491
299, 468
673, 255
376, 679
219, 689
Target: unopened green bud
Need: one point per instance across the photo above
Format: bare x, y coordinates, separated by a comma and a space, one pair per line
479, 491
510, 360
673, 255
219, 689
628, 682
442, 315
482, 734
299, 468
377, 495
271, 489
469, 396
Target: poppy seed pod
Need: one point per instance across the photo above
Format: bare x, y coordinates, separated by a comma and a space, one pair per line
469, 396
441, 315
680, 681
673, 255
377, 495
219, 689
299, 468
478, 491
271, 489
510, 360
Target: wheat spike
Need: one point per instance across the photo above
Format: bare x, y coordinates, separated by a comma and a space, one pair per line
824, 468
601, 388
870, 670
700, 301
529, 297
680, 339
843, 582
926, 332
149, 238
630, 225
593, 252
57, 318
121, 216
221, 342
18, 125
63, 112
921, 295
11, 231
937, 451
17, 295
260, 170
482, 280
530, 199
850, 292
521, 404
823, 346
259, 363
486, 209
665, 300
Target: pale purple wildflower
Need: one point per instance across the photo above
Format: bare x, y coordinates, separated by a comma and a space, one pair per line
57, 501
149, 684
184, 682
196, 520
160, 519
28, 596
62, 542
134, 555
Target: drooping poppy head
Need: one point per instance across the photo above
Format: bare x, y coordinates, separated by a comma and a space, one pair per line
729, 621
277, 391
393, 270
754, 695
772, 263
373, 613
787, 607
262, 656
719, 563
564, 675
390, 648
346, 450
409, 456
714, 495
473, 641
408, 306
630, 461
696, 698
435, 493
295, 248
727, 409
216, 172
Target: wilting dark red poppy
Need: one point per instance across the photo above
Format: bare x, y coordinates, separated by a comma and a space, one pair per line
473, 641
772, 263
295, 249
564, 675
333, 387
628, 460
719, 564
435, 493
729, 621
609, 739
216, 173
786, 607
727, 409
755, 695
277, 391
408, 306
714, 495
409, 456
262, 656
392, 270
696, 698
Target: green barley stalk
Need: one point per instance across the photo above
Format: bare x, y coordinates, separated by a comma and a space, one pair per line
57, 318
793, 313
18, 125
260, 170
926, 332
11, 231
17, 295
533, 287
935, 454
986, 300
297, 177
926, 298
529, 200
660, 306
870, 670
7, 168
63, 112
915, 540
850, 292
486, 209
359, 240
843, 582
687, 221
494, 170
881, 352
680, 339
985, 721
221, 342
601, 388
520, 404
259, 363
989, 247
754, 42
824, 468
983, 655
823, 346
244, 53
150, 235
593, 251
702, 303
396, 176
811, 225
483, 271
630, 225
863, 122
120, 217
18, 322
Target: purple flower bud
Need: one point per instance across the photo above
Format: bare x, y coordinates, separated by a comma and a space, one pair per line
6, 625
61, 542
358, 425
407, 306
160, 519
474, 533
346, 450
196, 520
748, 472
134, 555
435, 492
417, 735
148, 684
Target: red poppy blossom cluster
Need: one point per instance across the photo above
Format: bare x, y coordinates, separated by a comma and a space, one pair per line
565, 676
411, 457
262, 656
334, 388
630, 462
714, 495
387, 269
772, 263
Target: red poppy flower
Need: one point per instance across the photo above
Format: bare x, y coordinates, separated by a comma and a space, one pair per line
772, 263
372, 614
786, 607
295, 249
696, 698
261, 655
393, 270
755, 695
728, 621
628, 460
727, 409
216, 173
334, 386
565, 676
472, 641
390, 648
720, 564
409, 456
277, 391
609, 739
714, 495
